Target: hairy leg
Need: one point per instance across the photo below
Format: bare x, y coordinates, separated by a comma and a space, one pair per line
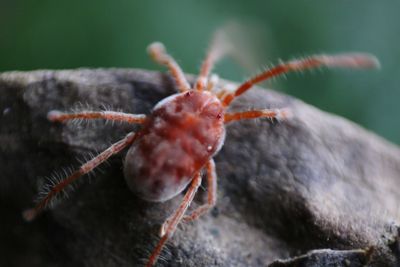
30, 214
169, 227
57, 116
217, 50
212, 193
356, 60
212, 82
262, 113
159, 54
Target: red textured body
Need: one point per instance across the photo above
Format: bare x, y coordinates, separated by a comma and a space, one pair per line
183, 132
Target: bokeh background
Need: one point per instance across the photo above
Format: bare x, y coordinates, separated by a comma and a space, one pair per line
48, 34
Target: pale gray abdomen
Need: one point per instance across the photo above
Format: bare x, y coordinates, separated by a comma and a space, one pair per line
157, 179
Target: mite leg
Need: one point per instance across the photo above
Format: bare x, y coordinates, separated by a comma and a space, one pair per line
212, 82
212, 193
356, 60
168, 230
57, 116
278, 114
217, 50
30, 214
159, 54
221, 94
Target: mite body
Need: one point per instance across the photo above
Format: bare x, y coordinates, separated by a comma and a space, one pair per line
182, 134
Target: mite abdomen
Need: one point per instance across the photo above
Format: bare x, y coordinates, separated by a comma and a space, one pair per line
182, 133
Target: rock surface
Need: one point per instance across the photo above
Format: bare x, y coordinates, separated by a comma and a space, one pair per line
315, 190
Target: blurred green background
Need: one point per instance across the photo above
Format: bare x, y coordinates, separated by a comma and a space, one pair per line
70, 34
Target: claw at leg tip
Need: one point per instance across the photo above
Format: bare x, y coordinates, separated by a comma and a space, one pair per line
53, 115
29, 215
284, 114
162, 230
155, 47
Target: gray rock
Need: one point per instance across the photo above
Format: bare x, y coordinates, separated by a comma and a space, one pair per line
327, 258
315, 183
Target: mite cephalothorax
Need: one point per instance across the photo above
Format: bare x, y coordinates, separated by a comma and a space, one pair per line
179, 138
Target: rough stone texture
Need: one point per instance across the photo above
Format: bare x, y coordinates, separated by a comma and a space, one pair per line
327, 258
315, 185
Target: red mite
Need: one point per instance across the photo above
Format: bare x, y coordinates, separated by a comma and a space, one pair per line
182, 134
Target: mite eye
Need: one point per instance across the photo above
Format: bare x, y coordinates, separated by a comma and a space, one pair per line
189, 93
219, 116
